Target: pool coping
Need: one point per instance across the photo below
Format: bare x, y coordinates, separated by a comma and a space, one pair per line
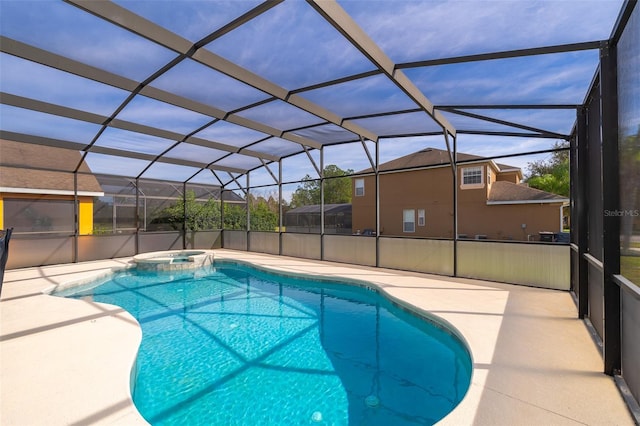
534, 360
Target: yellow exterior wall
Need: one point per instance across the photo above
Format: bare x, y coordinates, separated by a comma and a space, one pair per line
1, 213
85, 215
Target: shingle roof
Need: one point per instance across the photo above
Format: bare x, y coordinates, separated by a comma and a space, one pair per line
429, 157
504, 167
502, 191
37, 157
425, 157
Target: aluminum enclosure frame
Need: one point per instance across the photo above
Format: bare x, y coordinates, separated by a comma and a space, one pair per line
335, 16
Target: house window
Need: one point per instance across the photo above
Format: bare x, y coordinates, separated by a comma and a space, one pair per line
409, 220
472, 176
421, 220
359, 187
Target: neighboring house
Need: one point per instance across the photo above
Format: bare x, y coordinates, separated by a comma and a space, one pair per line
492, 201
36, 198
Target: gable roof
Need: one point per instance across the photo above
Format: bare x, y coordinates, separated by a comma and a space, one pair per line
424, 157
503, 192
432, 157
506, 167
49, 172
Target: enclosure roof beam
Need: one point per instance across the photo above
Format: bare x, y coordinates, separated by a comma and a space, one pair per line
510, 106
244, 191
342, 22
77, 146
507, 123
268, 169
71, 66
62, 111
313, 162
124, 18
562, 48
374, 166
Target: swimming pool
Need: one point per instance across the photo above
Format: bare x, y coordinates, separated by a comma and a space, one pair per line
231, 344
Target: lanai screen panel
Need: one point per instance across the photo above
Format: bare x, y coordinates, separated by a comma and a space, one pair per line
280, 115
64, 29
26, 79
415, 30
126, 140
560, 78
276, 146
315, 53
193, 80
402, 124
629, 151
363, 96
120, 166
27, 121
231, 134
526, 120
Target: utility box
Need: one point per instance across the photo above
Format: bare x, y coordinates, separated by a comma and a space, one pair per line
547, 237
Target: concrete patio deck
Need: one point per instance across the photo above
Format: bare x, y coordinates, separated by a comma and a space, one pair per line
66, 361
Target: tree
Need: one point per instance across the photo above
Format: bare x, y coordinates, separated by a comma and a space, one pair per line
264, 213
629, 154
337, 189
205, 215
551, 175
235, 216
199, 215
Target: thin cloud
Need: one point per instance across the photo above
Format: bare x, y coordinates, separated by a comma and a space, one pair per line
147, 111
131, 141
32, 80
558, 78
66, 30
29, 122
192, 20
118, 166
266, 46
432, 29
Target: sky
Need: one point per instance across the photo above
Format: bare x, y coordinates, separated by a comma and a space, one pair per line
293, 47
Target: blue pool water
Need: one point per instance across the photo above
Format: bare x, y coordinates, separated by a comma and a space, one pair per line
233, 345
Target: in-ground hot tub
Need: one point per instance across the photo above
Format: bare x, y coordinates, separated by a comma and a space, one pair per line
174, 260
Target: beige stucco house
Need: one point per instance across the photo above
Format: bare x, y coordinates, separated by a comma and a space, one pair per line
493, 203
